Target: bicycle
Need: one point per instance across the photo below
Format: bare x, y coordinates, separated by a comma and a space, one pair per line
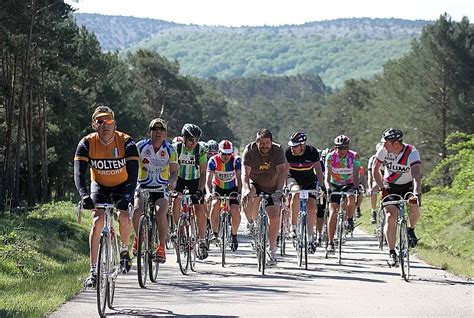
401, 235
170, 238
301, 241
340, 235
225, 222
108, 262
147, 239
186, 240
284, 222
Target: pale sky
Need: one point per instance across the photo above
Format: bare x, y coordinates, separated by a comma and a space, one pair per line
275, 12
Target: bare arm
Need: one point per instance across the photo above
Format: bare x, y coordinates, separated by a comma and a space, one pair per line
173, 175
377, 175
238, 180
202, 178
246, 180
209, 176
355, 174
327, 177
282, 172
319, 172
416, 174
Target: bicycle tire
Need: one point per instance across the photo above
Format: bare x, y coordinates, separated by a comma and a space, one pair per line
223, 238
142, 251
182, 245
115, 265
324, 233
263, 243
282, 236
171, 226
340, 233
404, 252
102, 275
299, 241
153, 266
193, 242
305, 242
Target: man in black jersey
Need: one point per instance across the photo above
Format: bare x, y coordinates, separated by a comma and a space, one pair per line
305, 173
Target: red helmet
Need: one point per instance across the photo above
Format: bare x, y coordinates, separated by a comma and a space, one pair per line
226, 147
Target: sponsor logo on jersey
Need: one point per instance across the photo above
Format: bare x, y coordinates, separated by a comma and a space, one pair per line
393, 167
162, 153
264, 166
225, 176
108, 164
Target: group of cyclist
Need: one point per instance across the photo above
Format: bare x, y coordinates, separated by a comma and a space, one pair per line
119, 167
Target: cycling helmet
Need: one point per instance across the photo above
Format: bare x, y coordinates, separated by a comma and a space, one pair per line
103, 110
392, 134
298, 138
191, 131
212, 146
226, 147
325, 152
341, 140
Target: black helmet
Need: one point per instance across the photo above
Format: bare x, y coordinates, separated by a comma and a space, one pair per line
298, 138
392, 134
341, 140
191, 131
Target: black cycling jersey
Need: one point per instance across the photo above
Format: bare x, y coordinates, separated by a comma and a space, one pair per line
301, 167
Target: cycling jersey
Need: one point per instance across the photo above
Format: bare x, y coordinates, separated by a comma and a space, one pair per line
155, 166
398, 166
224, 173
111, 164
301, 167
342, 169
188, 163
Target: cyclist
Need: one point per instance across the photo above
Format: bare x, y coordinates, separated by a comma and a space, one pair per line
192, 160
158, 168
264, 170
305, 173
342, 174
361, 191
402, 175
224, 177
212, 148
371, 184
113, 160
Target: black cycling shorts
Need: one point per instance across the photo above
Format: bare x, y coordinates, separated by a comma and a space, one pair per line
220, 191
101, 194
193, 186
400, 189
337, 188
268, 201
310, 186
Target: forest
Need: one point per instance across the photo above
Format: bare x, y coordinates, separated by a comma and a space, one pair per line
53, 72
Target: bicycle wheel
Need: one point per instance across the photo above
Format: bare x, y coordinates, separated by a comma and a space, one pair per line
153, 267
404, 253
142, 251
305, 242
193, 242
102, 275
324, 233
208, 233
170, 219
283, 233
263, 243
182, 245
223, 236
299, 241
114, 266
340, 233
379, 228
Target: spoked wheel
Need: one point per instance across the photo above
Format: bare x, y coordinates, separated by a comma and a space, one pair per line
262, 245
142, 251
113, 270
193, 242
324, 234
404, 253
102, 275
182, 245
153, 267
340, 233
283, 233
171, 226
305, 243
380, 226
223, 236
208, 233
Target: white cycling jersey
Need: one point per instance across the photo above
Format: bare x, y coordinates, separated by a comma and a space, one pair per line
398, 166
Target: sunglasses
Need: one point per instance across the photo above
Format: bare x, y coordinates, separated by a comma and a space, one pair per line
192, 139
104, 121
157, 129
341, 147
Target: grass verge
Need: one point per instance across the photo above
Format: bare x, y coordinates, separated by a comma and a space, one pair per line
43, 260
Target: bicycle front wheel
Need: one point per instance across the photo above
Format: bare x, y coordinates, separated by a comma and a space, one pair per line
404, 252
142, 251
171, 226
102, 275
223, 236
379, 228
340, 233
182, 245
193, 242
114, 266
153, 267
263, 244
282, 236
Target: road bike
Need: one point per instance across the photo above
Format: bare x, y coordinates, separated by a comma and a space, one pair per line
171, 236
284, 221
225, 222
186, 241
147, 238
340, 235
402, 245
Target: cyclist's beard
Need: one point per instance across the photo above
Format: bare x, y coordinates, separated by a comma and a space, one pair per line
264, 150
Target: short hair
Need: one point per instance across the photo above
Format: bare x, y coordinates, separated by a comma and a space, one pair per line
264, 133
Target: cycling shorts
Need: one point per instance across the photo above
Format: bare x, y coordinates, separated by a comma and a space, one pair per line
153, 197
337, 188
269, 201
227, 192
193, 186
101, 194
400, 189
292, 183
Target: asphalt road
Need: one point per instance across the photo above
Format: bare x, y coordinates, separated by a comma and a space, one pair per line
362, 286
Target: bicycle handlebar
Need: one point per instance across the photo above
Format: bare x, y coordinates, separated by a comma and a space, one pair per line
401, 200
232, 195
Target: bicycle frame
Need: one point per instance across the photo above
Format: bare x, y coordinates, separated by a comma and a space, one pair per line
401, 235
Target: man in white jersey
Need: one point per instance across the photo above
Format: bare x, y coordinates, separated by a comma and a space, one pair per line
402, 175
371, 184
158, 168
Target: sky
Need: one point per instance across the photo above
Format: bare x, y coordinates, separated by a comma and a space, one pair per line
275, 12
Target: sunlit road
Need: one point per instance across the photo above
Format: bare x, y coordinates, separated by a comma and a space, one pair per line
362, 286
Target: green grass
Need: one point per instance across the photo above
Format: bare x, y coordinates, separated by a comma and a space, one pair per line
43, 260
445, 230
